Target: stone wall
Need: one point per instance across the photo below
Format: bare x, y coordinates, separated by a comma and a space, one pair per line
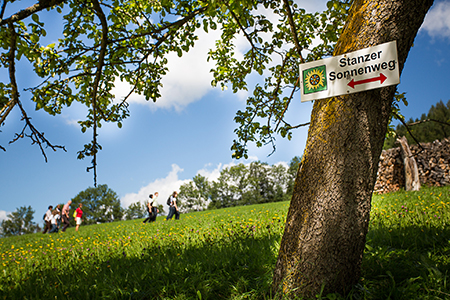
433, 162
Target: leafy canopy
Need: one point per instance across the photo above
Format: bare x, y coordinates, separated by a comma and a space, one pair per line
100, 204
129, 40
19, 222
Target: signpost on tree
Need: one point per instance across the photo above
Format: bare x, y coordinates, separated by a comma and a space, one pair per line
357, 71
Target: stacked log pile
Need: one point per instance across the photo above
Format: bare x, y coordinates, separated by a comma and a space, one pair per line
391, 174
433, 162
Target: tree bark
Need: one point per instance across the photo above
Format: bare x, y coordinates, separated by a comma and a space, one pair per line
412, 181
328, 218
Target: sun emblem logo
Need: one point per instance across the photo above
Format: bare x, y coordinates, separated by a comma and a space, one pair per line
314, 80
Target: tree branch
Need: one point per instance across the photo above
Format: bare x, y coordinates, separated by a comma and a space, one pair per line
36, 136
25, 13
299, 125
409, 131
98, 75
2, 10
176, 24
293, 29
428, 120
4, 112
240, 25
275, 92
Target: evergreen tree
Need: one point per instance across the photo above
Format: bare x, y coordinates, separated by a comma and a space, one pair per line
435, 125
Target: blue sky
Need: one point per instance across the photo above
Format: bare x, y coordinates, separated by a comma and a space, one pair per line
188, 131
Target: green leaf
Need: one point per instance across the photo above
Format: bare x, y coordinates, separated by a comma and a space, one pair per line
34, 38
35, 18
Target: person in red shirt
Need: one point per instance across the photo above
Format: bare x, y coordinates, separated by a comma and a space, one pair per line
79, 215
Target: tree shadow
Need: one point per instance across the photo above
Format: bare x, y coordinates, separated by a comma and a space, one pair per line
400, 261
237, 264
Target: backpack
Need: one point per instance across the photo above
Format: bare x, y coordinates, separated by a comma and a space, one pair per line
75, 214
169, 201
43, 217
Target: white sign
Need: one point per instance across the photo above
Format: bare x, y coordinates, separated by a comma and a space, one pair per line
362, 70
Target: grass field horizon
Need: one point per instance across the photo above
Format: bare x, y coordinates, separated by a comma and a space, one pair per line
226, 254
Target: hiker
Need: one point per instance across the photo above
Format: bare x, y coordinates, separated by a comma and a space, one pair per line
79, 214
173, 208
58, 209
151, 208
48, 218
55, 221
154, 208
65, 215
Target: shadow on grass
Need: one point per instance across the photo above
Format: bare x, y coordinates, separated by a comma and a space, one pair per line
411, 262
235, 266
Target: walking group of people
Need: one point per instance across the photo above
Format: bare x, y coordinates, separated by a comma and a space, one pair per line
54, 217
57, 218
153, 210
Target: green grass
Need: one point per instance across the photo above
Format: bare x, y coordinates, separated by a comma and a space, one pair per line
408, 246
226, 254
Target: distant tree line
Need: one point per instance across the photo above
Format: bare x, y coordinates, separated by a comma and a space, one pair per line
238, 185
430, 127
242, 184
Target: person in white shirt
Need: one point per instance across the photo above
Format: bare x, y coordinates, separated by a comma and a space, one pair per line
151, 208
154, 207
48, 218
55, 221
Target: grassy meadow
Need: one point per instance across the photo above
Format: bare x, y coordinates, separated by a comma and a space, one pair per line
226, 254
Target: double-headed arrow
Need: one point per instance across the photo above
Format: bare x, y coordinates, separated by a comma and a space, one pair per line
381, 78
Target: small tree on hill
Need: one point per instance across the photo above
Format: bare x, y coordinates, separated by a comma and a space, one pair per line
100, 204
19, 222
194, 195
136, 210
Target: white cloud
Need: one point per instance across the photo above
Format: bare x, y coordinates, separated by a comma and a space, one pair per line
188, 78
210, 174
214, 174
282, 163
3, 215
437, 21
164, 186
76, 113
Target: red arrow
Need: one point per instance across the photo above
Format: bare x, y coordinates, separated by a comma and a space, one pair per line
381, 78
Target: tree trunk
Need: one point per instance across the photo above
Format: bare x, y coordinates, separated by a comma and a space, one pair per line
412, 182
328, 218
